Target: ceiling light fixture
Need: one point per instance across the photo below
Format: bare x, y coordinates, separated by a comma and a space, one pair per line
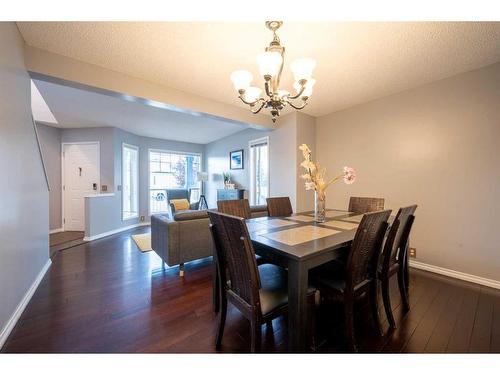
270, 67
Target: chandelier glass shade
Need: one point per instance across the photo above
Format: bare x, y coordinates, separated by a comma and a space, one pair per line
270, 65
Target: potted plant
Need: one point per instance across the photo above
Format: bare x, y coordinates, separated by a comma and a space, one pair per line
227, 179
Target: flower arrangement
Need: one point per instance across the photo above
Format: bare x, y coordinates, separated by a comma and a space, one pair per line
315, 179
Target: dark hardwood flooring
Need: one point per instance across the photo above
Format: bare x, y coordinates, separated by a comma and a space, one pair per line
64, 240
66, 236
106, 296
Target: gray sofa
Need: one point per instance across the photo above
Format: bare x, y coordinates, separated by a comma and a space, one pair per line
186, 236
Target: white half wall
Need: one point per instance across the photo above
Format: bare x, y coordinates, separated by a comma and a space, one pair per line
437, 146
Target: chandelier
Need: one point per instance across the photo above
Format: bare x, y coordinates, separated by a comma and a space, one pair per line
270, 67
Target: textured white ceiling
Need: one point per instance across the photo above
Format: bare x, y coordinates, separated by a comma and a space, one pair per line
357, 61
75, 108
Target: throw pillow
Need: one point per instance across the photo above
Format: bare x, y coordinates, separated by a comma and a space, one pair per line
180, 204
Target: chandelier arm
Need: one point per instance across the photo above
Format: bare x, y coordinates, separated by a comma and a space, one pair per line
249, 103
299, 93
266, 86
260, 108
297, 106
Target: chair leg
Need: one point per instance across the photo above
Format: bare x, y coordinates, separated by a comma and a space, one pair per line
387, 302
181, 270
216, 292
407, 274
349, 325
374, 307
402, 288
222, 322
255, 335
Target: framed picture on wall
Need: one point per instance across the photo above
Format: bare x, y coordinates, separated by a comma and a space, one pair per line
236, 159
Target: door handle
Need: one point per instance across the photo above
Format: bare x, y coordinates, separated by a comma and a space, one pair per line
80, 171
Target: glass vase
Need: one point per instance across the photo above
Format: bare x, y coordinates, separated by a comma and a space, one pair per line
319, 207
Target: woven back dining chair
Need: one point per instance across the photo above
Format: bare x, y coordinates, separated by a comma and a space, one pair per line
260, 293
394, 259
235, 207
239, 208
362, 205
359, 278
279, 206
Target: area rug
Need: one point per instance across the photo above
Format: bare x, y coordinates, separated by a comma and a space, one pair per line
143, 241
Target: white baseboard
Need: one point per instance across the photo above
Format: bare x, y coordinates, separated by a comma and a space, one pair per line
57, 230
114, 231
456, 274
22, 305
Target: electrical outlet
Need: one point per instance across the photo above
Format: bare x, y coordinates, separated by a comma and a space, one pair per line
413, 252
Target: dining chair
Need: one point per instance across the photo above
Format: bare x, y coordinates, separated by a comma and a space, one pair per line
394, 259
362, 205
259, 292
359, 278
240, 208
235, 207
279, 206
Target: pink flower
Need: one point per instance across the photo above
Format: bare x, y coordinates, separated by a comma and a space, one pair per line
349, 175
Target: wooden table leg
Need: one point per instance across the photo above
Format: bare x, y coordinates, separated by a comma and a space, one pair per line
297, 310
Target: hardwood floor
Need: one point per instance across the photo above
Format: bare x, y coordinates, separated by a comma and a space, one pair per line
63, 237
64, 240
106, 296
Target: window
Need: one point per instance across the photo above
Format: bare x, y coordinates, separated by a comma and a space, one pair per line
259, 171
170, 170
130, 182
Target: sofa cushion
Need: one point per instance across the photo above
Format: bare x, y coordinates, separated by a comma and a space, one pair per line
190, 215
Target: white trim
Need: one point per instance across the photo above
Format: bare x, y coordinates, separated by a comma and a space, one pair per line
456, 274
136, 148
11, 323
114, 231
57, 230
63, 185
99, 195
250, 163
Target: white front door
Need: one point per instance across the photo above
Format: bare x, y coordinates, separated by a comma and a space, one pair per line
81, 177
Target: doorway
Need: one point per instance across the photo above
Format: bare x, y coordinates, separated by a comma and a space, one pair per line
259, 171
80, 177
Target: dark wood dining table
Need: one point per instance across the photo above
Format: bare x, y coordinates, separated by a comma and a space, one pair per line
300, 244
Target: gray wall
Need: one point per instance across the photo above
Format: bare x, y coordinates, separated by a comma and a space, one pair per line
283, 159
217, 162
50, 142
438, 146
105, 137
24, 207
306, 133
105, 212
290, 131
